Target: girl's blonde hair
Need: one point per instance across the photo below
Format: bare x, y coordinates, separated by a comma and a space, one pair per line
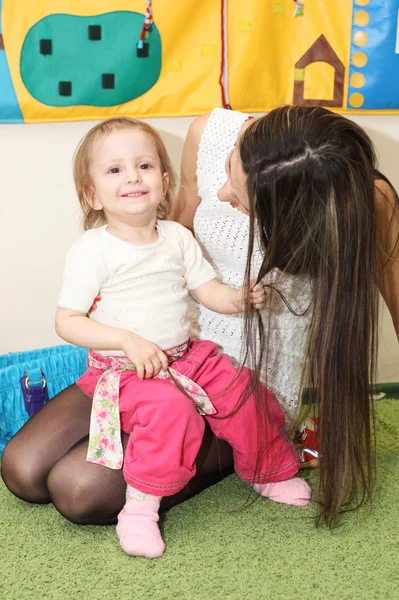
81, 167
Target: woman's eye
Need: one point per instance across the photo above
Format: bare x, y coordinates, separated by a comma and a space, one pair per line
114, 170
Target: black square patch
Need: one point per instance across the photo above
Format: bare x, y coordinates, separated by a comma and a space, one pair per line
94, 32
65, 88
46, 46
143, 52
108, 81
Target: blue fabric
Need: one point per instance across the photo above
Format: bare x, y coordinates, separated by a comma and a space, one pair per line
61, 366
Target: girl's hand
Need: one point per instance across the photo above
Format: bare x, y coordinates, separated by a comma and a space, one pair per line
256, 296
147, 357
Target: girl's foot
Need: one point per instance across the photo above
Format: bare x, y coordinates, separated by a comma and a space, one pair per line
293, 491
137, 527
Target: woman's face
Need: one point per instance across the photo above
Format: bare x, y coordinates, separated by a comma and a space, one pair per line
234, 190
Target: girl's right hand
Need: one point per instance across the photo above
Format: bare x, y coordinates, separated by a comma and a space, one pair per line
148, 358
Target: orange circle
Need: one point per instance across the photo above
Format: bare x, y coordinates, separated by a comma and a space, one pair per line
361, 18
362, 2
360, 38
356, 100
357, 80
359, 59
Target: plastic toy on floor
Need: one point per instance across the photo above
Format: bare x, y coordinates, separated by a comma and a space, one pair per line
307, 443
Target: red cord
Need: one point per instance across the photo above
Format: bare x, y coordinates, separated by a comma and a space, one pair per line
224, 103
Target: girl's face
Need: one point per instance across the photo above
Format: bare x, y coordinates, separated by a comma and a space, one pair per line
127, 179
235, 188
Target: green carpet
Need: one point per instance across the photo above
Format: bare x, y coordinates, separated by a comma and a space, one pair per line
265, 551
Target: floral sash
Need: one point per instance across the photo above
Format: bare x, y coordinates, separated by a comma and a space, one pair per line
105, 445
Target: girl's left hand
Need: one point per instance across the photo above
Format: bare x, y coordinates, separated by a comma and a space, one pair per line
257, 295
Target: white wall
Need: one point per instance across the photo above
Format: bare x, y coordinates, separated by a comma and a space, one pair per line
40, 219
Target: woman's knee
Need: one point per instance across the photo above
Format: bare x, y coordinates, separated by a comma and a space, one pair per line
31, 454
23, 475
86, 496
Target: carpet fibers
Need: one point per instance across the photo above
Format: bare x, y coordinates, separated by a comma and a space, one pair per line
265, 551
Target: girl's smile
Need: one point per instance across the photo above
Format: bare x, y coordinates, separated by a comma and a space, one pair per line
133, 194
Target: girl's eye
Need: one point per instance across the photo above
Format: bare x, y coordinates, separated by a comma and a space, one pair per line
114, 170
145, 166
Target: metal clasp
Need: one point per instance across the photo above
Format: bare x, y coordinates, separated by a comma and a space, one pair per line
35, 383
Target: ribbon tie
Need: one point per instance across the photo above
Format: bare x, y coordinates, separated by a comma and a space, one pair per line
105, 444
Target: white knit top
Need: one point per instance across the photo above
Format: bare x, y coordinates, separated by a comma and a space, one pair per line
222, 232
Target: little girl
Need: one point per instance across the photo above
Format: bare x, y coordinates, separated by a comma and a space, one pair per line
144, 374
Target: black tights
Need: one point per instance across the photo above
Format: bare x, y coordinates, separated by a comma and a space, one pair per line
46, 462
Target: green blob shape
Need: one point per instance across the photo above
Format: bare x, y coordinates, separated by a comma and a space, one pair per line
77, 59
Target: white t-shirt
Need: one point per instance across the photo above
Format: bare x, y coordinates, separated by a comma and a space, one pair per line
143, 289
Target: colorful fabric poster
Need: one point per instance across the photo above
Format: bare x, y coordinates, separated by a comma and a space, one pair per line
65, 60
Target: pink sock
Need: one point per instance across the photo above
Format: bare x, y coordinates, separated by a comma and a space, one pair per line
137, 527
293, 491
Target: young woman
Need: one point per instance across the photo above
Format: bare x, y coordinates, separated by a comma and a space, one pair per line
322, 224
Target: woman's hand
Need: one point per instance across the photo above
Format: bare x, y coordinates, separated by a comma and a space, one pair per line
256, 296
147, 357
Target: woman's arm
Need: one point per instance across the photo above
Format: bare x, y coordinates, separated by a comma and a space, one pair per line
387, 211
187, 199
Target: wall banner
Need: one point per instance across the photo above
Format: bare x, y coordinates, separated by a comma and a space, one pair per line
66, 60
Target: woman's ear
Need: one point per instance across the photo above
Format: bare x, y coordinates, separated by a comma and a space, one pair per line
165, 183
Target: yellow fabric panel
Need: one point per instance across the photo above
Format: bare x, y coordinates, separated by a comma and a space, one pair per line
319, 82
265, 43
185, 27
264, 68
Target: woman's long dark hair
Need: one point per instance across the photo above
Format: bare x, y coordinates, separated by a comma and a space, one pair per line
311, 193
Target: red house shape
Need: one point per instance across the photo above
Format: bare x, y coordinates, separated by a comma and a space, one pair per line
320, 51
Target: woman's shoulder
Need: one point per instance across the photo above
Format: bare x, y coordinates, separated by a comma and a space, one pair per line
386, 200
199, 124
382, 187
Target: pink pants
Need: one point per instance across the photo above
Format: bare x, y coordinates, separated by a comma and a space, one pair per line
165, 429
